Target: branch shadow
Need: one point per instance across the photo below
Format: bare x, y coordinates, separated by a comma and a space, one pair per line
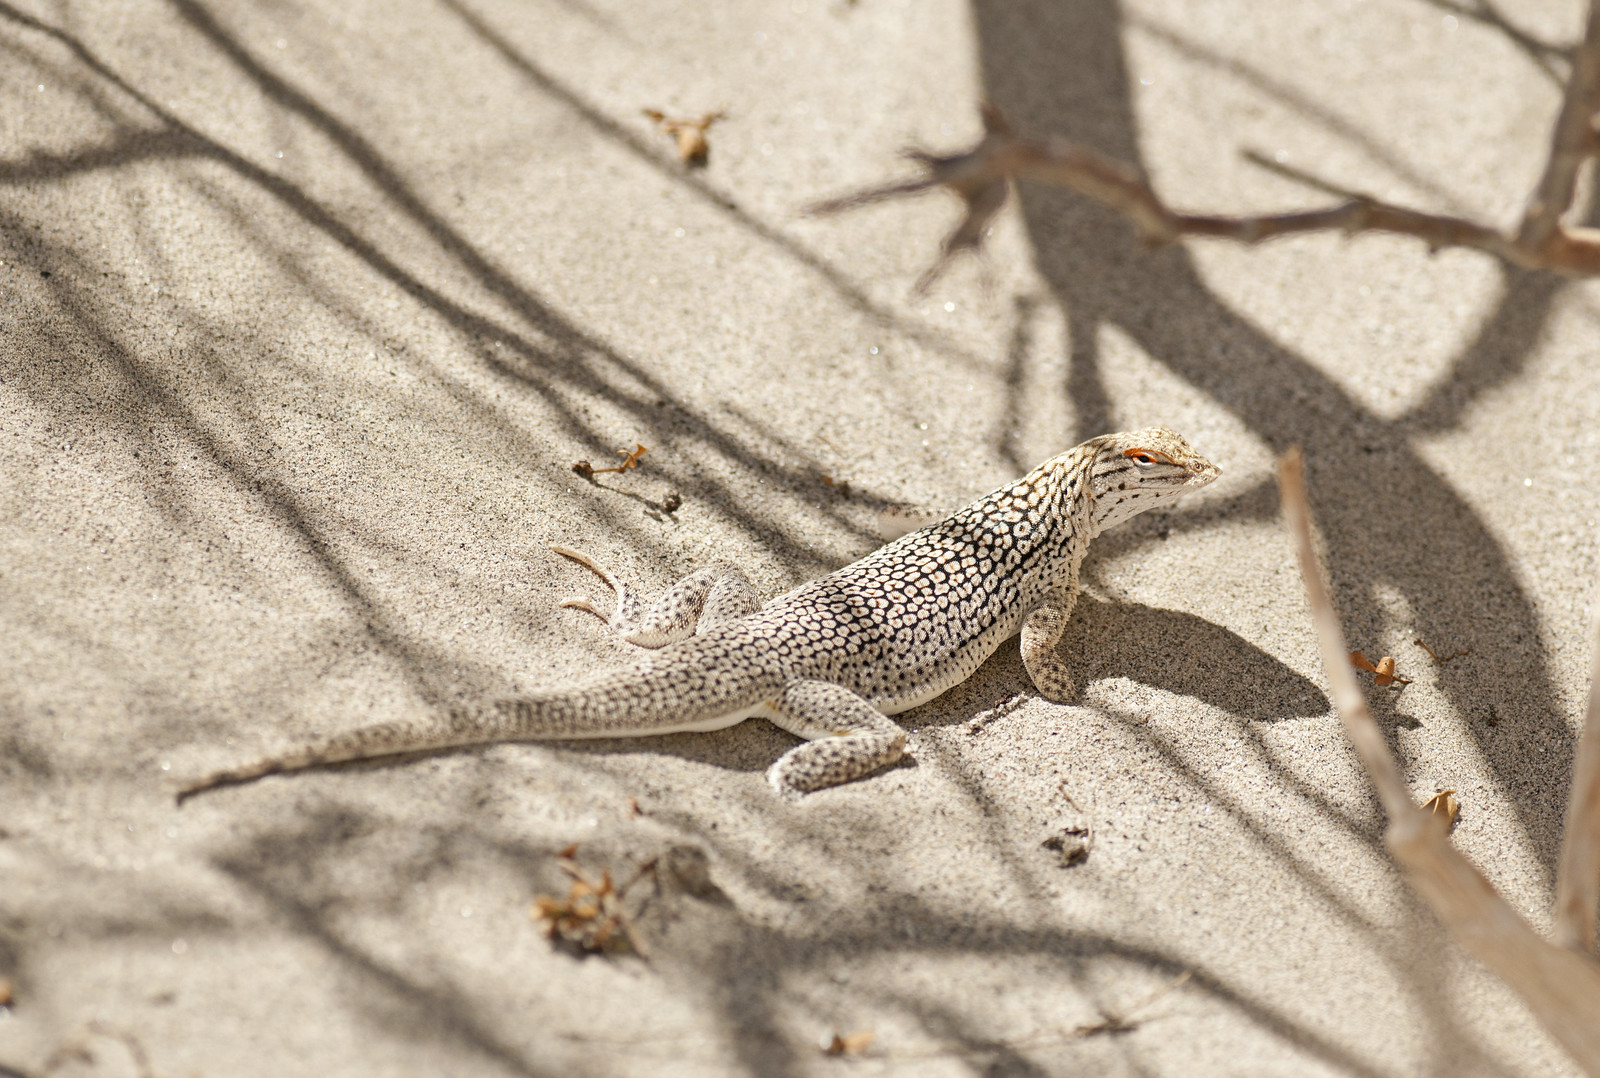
286, 871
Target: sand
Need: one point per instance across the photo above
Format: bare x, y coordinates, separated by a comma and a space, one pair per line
308, 309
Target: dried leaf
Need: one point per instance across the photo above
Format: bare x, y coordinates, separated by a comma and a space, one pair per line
1444, 804
849, 1044
693, 147
629, 460
1384, 671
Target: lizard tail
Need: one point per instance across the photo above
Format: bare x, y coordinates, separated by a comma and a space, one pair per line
626, 704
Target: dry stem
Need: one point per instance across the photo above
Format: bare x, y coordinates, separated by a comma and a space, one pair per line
1571, 144
1578, 872
1560, 987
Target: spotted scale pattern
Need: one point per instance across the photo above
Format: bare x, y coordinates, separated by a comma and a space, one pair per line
830, 659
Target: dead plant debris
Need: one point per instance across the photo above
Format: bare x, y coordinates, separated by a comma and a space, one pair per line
1383, 672
1125, 1021
1071, 845
1444, 804
592, 916
1122, 1020
7, 992
79, 1050
629, 460
1436, 657
693, 147
1072, 841
849, 1044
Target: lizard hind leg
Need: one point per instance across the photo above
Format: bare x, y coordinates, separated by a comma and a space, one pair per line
846, 738
700, 601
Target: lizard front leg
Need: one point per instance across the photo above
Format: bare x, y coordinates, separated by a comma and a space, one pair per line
698, 602
1041, 632
846, 738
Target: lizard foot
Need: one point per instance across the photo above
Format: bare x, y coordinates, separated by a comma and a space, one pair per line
626, 612
846, 738
1050, 677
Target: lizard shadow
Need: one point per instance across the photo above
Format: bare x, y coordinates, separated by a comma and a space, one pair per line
1185, 654
1168, 650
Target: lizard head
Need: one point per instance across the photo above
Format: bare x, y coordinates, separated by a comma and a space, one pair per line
1137, 470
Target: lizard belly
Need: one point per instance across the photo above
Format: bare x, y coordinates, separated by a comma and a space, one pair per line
688, 726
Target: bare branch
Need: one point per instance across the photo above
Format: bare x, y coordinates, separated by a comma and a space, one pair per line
1578, 872
981, 177
1347, 697
1571, 144
1560, 987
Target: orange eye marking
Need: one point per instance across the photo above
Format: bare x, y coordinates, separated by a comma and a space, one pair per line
1147, 456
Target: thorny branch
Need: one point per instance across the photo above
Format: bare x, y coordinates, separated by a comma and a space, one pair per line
1561, 987
982, 177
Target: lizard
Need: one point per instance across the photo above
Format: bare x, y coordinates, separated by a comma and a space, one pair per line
830, 660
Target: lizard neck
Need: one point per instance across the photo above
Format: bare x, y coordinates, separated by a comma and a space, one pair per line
1051, 507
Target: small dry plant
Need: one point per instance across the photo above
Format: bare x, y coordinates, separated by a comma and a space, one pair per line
592, 917
1559, 980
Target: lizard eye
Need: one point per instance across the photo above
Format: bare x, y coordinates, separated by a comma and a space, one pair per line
1147, 457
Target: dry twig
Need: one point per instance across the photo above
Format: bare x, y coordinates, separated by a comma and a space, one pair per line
1560, 987
1578, 870
1125, 1020
78, 1050
629, 460
1122, 1020
981, 178
1440, 660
